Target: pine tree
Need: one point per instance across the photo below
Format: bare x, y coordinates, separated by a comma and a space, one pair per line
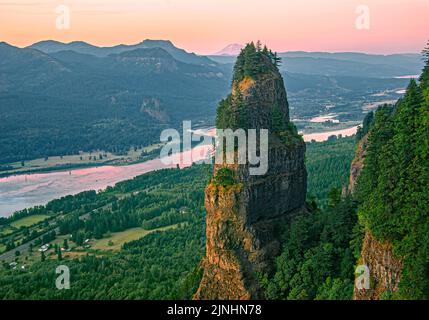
258, 46
65, 244
424, 78
276, 60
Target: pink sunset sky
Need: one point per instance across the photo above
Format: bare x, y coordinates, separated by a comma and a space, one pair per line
206, 26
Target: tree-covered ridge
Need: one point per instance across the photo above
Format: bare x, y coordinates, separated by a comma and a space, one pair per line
250, 64
424, 78
254, 60
393, 186
66, 102
366, 126
257, 67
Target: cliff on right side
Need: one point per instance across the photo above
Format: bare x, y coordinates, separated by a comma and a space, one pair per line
390, 180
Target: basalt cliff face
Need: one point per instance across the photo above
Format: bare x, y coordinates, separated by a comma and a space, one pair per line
245, 217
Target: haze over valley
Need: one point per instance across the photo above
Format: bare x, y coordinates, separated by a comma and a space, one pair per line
60, 99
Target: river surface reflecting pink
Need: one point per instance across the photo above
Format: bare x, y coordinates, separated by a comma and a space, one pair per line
24, 191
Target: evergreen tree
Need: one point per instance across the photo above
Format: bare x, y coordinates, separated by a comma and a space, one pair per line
65, 244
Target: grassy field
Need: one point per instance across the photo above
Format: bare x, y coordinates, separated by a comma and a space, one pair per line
84, 159
117, 239
307, 127
5, 231
28, 221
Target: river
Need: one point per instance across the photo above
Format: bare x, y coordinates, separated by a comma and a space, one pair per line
25, 191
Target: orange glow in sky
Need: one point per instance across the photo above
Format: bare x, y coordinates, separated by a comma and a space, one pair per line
206, 26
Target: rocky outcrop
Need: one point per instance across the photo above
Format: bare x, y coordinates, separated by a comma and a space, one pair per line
154, 108
245, 220
357, 163
384, 268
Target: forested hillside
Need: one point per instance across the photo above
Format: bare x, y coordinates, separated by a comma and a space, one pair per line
160, 265
383, 224
58, 99
393, 186
319, 254
65, 102
328, 165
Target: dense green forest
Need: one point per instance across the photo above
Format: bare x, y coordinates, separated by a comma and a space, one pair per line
391, 202
328, 166
393, 187
319, 254
163, 264
160, 265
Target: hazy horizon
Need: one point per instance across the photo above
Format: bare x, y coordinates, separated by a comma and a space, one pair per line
210, 53
205, 27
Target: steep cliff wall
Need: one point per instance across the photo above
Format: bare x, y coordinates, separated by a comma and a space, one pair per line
357, 163
245, 219
384, 268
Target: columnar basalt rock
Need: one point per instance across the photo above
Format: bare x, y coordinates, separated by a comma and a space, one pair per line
245, 219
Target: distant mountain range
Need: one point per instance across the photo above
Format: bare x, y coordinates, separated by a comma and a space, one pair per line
61, 98
64, 98
343, 64
51, 46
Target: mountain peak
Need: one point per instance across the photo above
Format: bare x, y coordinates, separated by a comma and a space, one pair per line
5, 44
230, 50
158, 43
81, 43
47, 42
145, 52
